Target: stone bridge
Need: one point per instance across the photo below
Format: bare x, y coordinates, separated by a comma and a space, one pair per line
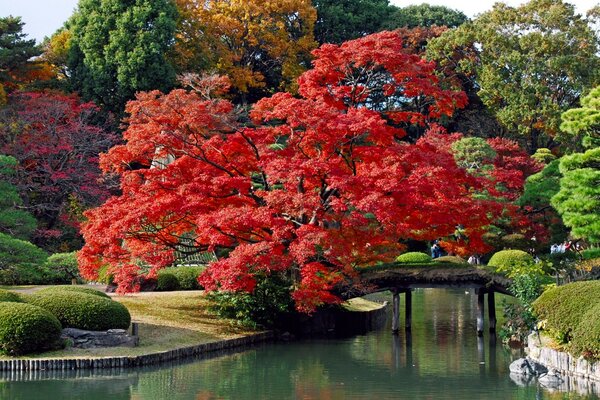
404, 279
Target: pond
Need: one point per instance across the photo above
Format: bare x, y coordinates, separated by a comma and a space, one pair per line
441, 359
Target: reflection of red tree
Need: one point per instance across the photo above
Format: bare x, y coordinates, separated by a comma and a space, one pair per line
207, 395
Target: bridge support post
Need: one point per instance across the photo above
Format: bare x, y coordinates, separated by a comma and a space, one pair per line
480, 311
408, 310
395, 311
492, 311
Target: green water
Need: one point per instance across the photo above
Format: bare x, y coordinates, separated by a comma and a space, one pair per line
442, 359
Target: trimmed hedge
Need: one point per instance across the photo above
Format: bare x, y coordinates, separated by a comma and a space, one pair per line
78, 289
5, 295
187, 277
82, 310
505, 260
166, 282
25, 328
413, 257
564, 307
586, 335
451, 260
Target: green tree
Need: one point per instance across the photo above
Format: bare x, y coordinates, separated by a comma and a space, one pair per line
532, 63
585, 121
424, 15
535, 200
13, 221
339, 21
118, 47
15, 52
578, 200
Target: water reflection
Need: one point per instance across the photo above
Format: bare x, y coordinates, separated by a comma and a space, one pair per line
440, 358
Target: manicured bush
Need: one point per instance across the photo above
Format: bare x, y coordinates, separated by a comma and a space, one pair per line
451, 260
264, 307
564, 307
25, 328
586, 335
505, 261
187, 277
413, 257
78, 289
83, 311
5, 295
166, 282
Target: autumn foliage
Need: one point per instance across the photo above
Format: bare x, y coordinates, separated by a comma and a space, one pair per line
312, 187
56, 141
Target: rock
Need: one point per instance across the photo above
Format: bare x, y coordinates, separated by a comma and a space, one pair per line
91, 339
552, 379
520, 379
538, 369
521, 366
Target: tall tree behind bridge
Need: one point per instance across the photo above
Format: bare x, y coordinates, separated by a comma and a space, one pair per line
118, 47
529, 63
262, 46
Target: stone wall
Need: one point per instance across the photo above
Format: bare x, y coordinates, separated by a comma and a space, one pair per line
133, 361
579, 374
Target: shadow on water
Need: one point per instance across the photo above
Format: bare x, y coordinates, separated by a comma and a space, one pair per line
440, 358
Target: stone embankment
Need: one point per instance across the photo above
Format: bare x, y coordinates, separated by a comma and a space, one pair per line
132, 361
556, 369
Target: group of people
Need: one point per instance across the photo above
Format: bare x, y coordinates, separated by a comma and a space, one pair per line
567, 245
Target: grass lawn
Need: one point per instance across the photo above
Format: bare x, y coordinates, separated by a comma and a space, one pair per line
167, 320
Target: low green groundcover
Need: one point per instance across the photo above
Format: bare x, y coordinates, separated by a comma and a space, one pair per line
25, 328
571, 315
82, 310
586, 335
78, 289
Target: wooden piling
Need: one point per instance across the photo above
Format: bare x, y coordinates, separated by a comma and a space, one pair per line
395, 311
408, 310
492, 311
480, 311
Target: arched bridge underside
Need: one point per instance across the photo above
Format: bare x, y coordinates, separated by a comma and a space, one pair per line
403, 280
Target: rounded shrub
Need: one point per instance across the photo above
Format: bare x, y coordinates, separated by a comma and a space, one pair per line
564, 307
451, 260
505, 261
5, 295
25, 328
166, 282
77, 289
586, 335
413, 257
83, 311
187, 277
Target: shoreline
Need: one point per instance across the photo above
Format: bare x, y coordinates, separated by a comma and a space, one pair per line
154, 358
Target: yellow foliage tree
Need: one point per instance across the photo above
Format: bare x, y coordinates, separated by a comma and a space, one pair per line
263, 46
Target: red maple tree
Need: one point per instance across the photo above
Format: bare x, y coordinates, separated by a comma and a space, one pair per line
56, 141
313, 186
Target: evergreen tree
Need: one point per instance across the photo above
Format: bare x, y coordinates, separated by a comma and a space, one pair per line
118, 47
